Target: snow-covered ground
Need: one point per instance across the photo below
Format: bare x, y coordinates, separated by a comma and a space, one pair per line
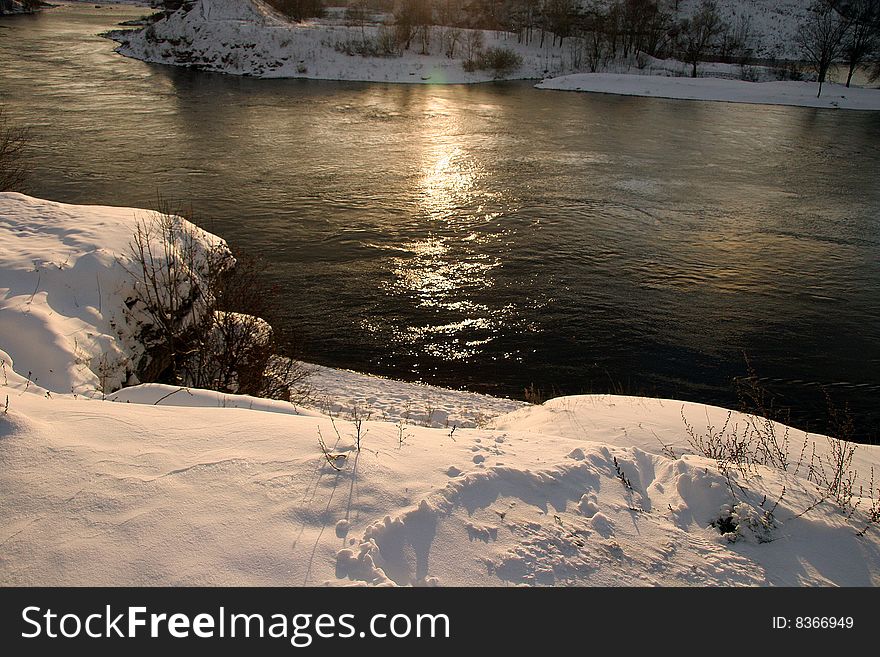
162, 485
802, 94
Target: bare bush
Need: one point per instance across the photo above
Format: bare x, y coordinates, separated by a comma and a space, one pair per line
199, 313
759, 439
13, 143
502, 61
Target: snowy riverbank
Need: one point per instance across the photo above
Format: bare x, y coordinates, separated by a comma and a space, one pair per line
801, 94
160, 485
249, 38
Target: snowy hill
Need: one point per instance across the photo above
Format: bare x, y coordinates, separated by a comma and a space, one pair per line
774, 23
159, 485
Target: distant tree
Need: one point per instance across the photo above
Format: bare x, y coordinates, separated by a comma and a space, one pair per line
299, 10
698, 34
173, 5
592, 29
656, 31
559, 16
863, 39
413, 19
451, 38
643, 25
521, 17
357, 13
737, 41
450, 13
13, 142
473, 45
821, 38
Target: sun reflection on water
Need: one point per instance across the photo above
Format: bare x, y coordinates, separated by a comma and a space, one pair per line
445, 266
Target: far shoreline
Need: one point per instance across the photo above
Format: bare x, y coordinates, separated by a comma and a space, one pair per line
714, 89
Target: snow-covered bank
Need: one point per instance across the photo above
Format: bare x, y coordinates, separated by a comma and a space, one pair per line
105, 493
163, 485
249, 38
801, 94
66, 293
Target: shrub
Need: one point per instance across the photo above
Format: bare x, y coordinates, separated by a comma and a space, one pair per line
13, 143
502, 61
386, 42
761, 438
197, 310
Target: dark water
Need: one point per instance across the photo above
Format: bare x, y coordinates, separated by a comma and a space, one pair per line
494, 236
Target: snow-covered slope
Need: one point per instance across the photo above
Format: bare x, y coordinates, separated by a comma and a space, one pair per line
161, 485
774, 23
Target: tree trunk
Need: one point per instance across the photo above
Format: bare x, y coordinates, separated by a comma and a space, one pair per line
694, 73
852, 69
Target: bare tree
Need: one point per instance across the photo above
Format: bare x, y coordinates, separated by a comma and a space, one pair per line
863, 39
412, 19
698, 33
473, 44
559, 17
13, 143
593, 32
357, 14
821, 39
737, 40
